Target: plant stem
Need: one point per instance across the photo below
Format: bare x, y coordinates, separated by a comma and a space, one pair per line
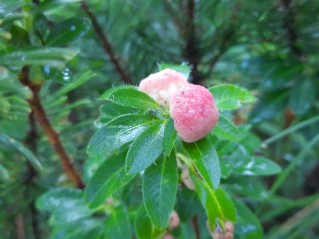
195, 226
31, 142
52, 135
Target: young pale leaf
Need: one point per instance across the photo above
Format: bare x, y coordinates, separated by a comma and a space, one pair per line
118, 224
205, 158
225, 129
230, 97
169, 136
117, 133
108, 178
5, 139
159, 190
183, 69
130, 97
218, 204
55, 57
67, 31
248, 225
145, 149
143, 225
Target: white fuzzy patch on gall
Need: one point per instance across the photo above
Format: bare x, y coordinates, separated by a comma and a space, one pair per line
162, 85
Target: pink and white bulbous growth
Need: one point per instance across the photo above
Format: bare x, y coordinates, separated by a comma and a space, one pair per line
162, 85
194, 112
192, 107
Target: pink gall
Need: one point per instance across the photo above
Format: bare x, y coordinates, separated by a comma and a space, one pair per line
194, 112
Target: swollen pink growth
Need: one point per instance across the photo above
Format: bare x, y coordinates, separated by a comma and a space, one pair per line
194, 112
162, 85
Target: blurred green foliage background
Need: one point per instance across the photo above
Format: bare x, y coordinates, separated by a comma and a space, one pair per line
79, 49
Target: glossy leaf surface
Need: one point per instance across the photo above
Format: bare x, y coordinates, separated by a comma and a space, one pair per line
159, 190
145, 149
205, 158
230, 97
108, 178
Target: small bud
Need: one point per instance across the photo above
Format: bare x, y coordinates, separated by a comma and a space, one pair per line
186, 178
168, 236
219, 233
174, 220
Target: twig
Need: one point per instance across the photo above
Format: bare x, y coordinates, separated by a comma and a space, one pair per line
31, 142
191, 51
106, 44
52, 135
195, 226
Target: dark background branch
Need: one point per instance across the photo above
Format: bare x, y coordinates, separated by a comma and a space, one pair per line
289, 26
107, 46
44, 123
191, 50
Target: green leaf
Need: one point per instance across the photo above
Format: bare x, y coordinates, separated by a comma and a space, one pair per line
205, 158
241, 163
218, 204
117, 133
169, 136
269, 105
5, 139
145, 149
67, 31
245, 186
55, 57
110, 111
248, 225
80, 79
143, 225
226, 130
183, 69
230, 97
76, 211
159, 190
20, 37
4, 174
187, 204
302, 95
65, 205
130, 97
86, 228
108, 178
55, 198
118, 224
